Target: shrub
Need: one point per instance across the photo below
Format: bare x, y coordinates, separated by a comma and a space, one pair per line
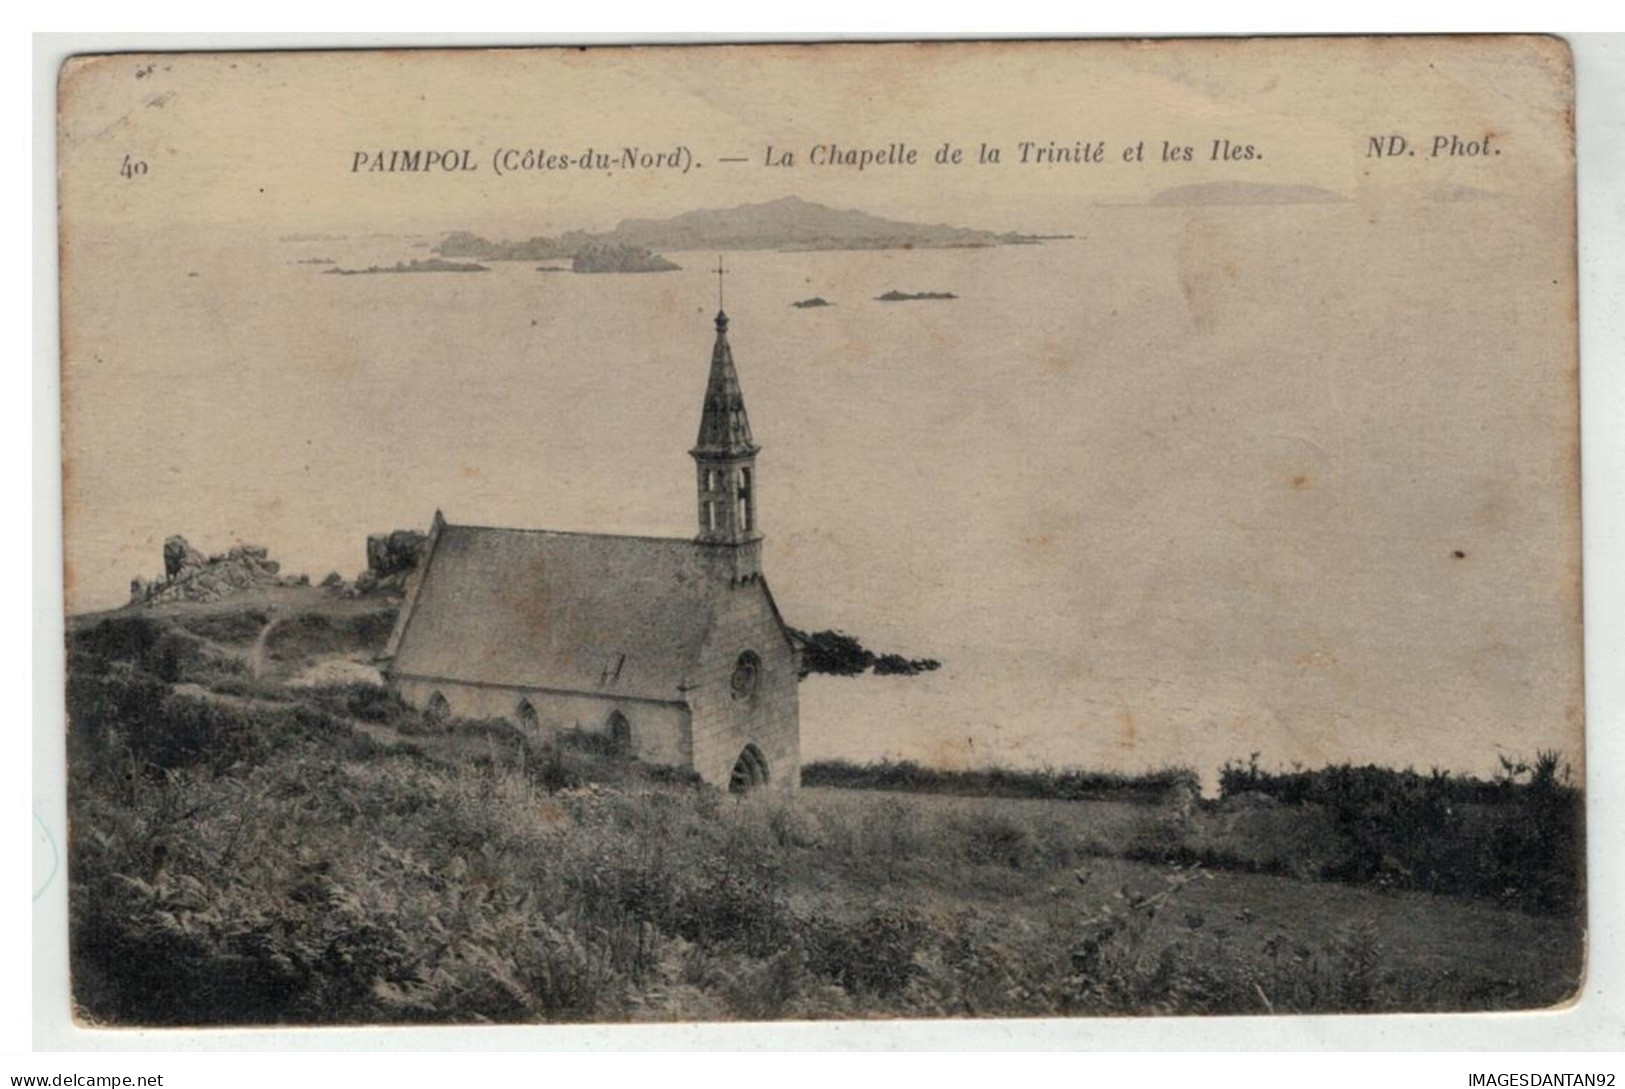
555, 770
874, 955
367, 702
1407, 830
316, 634
129, 639
234, 627
991, 838
161, 729
727, 906
1061, 784
150, 645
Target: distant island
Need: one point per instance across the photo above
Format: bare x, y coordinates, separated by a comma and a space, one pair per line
315, 261
432, 264
595, 258
789, 223
816, 300
469, 244
905, 296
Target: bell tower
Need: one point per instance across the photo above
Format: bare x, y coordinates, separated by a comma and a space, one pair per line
725, 467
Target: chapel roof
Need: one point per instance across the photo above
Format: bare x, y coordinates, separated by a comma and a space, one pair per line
577, 612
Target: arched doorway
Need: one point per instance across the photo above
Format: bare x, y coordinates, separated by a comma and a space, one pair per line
750, 771
437, 710
529, 721
620, 734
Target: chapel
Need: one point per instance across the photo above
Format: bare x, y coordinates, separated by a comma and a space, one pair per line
672, 648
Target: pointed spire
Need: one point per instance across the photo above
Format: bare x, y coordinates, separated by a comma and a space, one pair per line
724, 427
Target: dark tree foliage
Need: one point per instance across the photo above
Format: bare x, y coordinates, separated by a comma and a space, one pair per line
832, 652
840, 655
896, 664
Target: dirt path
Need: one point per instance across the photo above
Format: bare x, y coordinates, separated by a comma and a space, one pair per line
256, 653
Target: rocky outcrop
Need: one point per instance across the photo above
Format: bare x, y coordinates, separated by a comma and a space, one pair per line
392, 553
391, 559
180, 556
189, 575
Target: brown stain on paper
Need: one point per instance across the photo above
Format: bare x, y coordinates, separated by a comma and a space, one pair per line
1127, 730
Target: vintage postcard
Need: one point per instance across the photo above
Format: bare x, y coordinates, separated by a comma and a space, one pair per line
797, 532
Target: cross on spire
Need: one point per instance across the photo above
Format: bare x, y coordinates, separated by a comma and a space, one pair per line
721, 272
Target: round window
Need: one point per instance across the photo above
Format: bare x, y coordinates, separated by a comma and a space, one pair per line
747, 672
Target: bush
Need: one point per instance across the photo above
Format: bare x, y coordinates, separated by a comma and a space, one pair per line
318, 634
874, 955
149, 645
556, 770
160, 729
1517, 838
367, 702
235, 627
992, 839
727, 906
1061, 784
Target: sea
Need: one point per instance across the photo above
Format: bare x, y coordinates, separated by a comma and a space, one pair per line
1191, 485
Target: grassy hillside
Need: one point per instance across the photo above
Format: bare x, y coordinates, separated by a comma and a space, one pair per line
245, 850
